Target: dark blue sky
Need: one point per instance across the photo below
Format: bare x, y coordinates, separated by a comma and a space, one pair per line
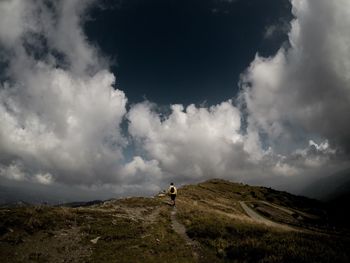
185, 51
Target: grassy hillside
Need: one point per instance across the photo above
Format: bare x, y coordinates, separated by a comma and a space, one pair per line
212, 215
217, 229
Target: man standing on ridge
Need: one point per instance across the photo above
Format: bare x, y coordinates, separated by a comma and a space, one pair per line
172, 191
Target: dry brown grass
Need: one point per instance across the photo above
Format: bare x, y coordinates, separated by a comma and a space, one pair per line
139, 230
212, 217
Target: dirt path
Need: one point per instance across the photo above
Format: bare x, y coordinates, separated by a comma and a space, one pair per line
254, 215
181, 230
290, 212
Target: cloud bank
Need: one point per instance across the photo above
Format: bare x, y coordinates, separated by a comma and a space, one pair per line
61, 116
304, 90
59, 111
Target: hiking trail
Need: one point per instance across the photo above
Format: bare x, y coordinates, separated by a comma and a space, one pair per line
181, 230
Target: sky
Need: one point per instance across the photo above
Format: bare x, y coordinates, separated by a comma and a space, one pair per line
178, 51
101, 100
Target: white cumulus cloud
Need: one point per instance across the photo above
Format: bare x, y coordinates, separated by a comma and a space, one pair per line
60, 121
191, 143
61, 116
304, 90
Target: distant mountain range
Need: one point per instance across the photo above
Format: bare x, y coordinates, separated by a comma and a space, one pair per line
330, 188
333, 188
335, 191
12, 194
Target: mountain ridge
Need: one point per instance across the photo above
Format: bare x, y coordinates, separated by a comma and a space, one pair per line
210, 214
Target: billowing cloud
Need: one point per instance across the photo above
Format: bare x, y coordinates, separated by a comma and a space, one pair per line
61, 116
192, 143
304, 90
59, 111
197, 143
290, 101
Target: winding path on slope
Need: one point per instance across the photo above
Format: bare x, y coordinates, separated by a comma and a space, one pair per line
254, 215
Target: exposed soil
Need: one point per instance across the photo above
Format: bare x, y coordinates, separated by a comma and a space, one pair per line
181, 230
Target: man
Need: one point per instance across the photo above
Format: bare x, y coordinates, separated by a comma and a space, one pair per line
172, 191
